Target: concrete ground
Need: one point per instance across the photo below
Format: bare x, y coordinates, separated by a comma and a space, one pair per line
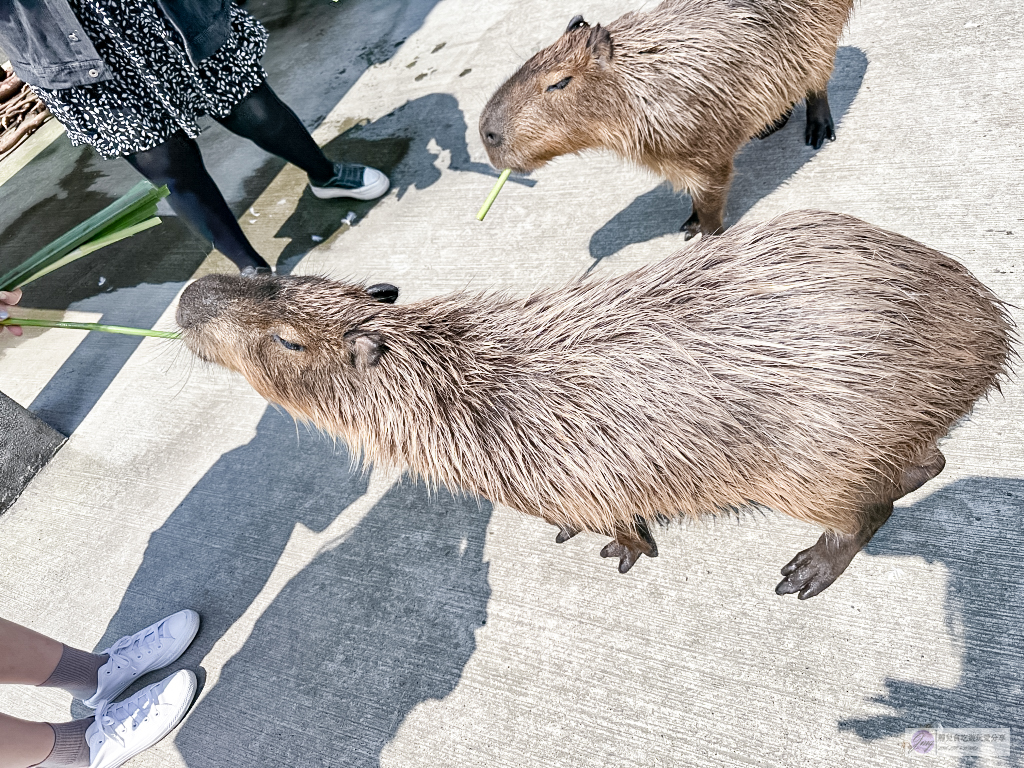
353, 619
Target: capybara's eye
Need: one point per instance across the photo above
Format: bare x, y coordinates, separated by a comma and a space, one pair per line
289, 344
559, 85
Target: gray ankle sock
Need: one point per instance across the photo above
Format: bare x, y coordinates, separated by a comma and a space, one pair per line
70, 749
76, 672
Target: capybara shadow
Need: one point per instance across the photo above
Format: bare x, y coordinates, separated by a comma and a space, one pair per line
378, 623
761, 166
974, 529
810, 363
215, 552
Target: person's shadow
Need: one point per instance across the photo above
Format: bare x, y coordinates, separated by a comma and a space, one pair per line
761, 167
374, 626
975, 529
411, 144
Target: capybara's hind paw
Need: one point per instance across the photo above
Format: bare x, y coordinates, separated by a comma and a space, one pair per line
691, 227
630, 543
819, 129
813, 570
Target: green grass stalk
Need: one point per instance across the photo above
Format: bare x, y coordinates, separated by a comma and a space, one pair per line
92, 245
35, 323
494, 194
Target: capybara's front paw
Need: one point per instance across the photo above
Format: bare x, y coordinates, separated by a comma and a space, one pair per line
627, 555
813, 570
818, 129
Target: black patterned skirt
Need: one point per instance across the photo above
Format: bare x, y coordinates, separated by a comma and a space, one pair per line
155, 90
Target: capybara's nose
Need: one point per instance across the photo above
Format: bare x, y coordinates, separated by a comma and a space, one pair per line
491, 136
200, 302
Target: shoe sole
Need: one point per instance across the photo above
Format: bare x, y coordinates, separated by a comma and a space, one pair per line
191, 631
193, 685
369, 192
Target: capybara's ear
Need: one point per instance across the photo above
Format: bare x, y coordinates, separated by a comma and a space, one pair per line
600, 43
384, 292
365, 347
576, 23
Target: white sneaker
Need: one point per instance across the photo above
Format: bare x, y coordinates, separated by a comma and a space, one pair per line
128, 727
351, 180
134, 655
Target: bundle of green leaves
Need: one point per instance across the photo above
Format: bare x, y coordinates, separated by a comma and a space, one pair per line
126, 216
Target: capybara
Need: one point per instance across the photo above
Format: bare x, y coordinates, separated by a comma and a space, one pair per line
677, 89
810, 364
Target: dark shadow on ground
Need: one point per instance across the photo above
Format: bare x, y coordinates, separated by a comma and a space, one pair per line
378, 622
374, 626
761, 167
411, 144
975, 529
329, 44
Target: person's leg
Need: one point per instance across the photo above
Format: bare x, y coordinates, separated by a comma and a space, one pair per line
29, 658
271, 125
24, 743
195, 197
26, 657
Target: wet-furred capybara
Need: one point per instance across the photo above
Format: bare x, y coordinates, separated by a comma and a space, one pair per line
809, 364
677, 89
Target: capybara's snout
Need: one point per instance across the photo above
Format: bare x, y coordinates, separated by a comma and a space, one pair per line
492, 131
209, 296
204, 300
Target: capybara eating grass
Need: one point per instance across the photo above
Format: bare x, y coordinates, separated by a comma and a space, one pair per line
810, 364
677, 89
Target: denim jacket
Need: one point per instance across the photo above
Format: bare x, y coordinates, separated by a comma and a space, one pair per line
49, 49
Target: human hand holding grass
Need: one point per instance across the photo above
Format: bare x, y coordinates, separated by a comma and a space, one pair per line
9, 299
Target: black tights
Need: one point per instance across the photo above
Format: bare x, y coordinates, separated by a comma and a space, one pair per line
263, 119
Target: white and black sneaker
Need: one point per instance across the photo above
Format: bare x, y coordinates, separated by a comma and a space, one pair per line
124, 729
351, 180
132, 656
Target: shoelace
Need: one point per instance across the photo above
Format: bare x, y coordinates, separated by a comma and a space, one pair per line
135, 708
131, 648
347, 176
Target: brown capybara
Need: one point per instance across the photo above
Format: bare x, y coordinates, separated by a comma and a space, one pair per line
810, 364
677, 89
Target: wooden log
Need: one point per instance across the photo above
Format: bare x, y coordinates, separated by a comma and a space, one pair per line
24, 98
10, 86
11, 139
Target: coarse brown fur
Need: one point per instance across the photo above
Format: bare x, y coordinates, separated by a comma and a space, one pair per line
677, 89
810, 363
